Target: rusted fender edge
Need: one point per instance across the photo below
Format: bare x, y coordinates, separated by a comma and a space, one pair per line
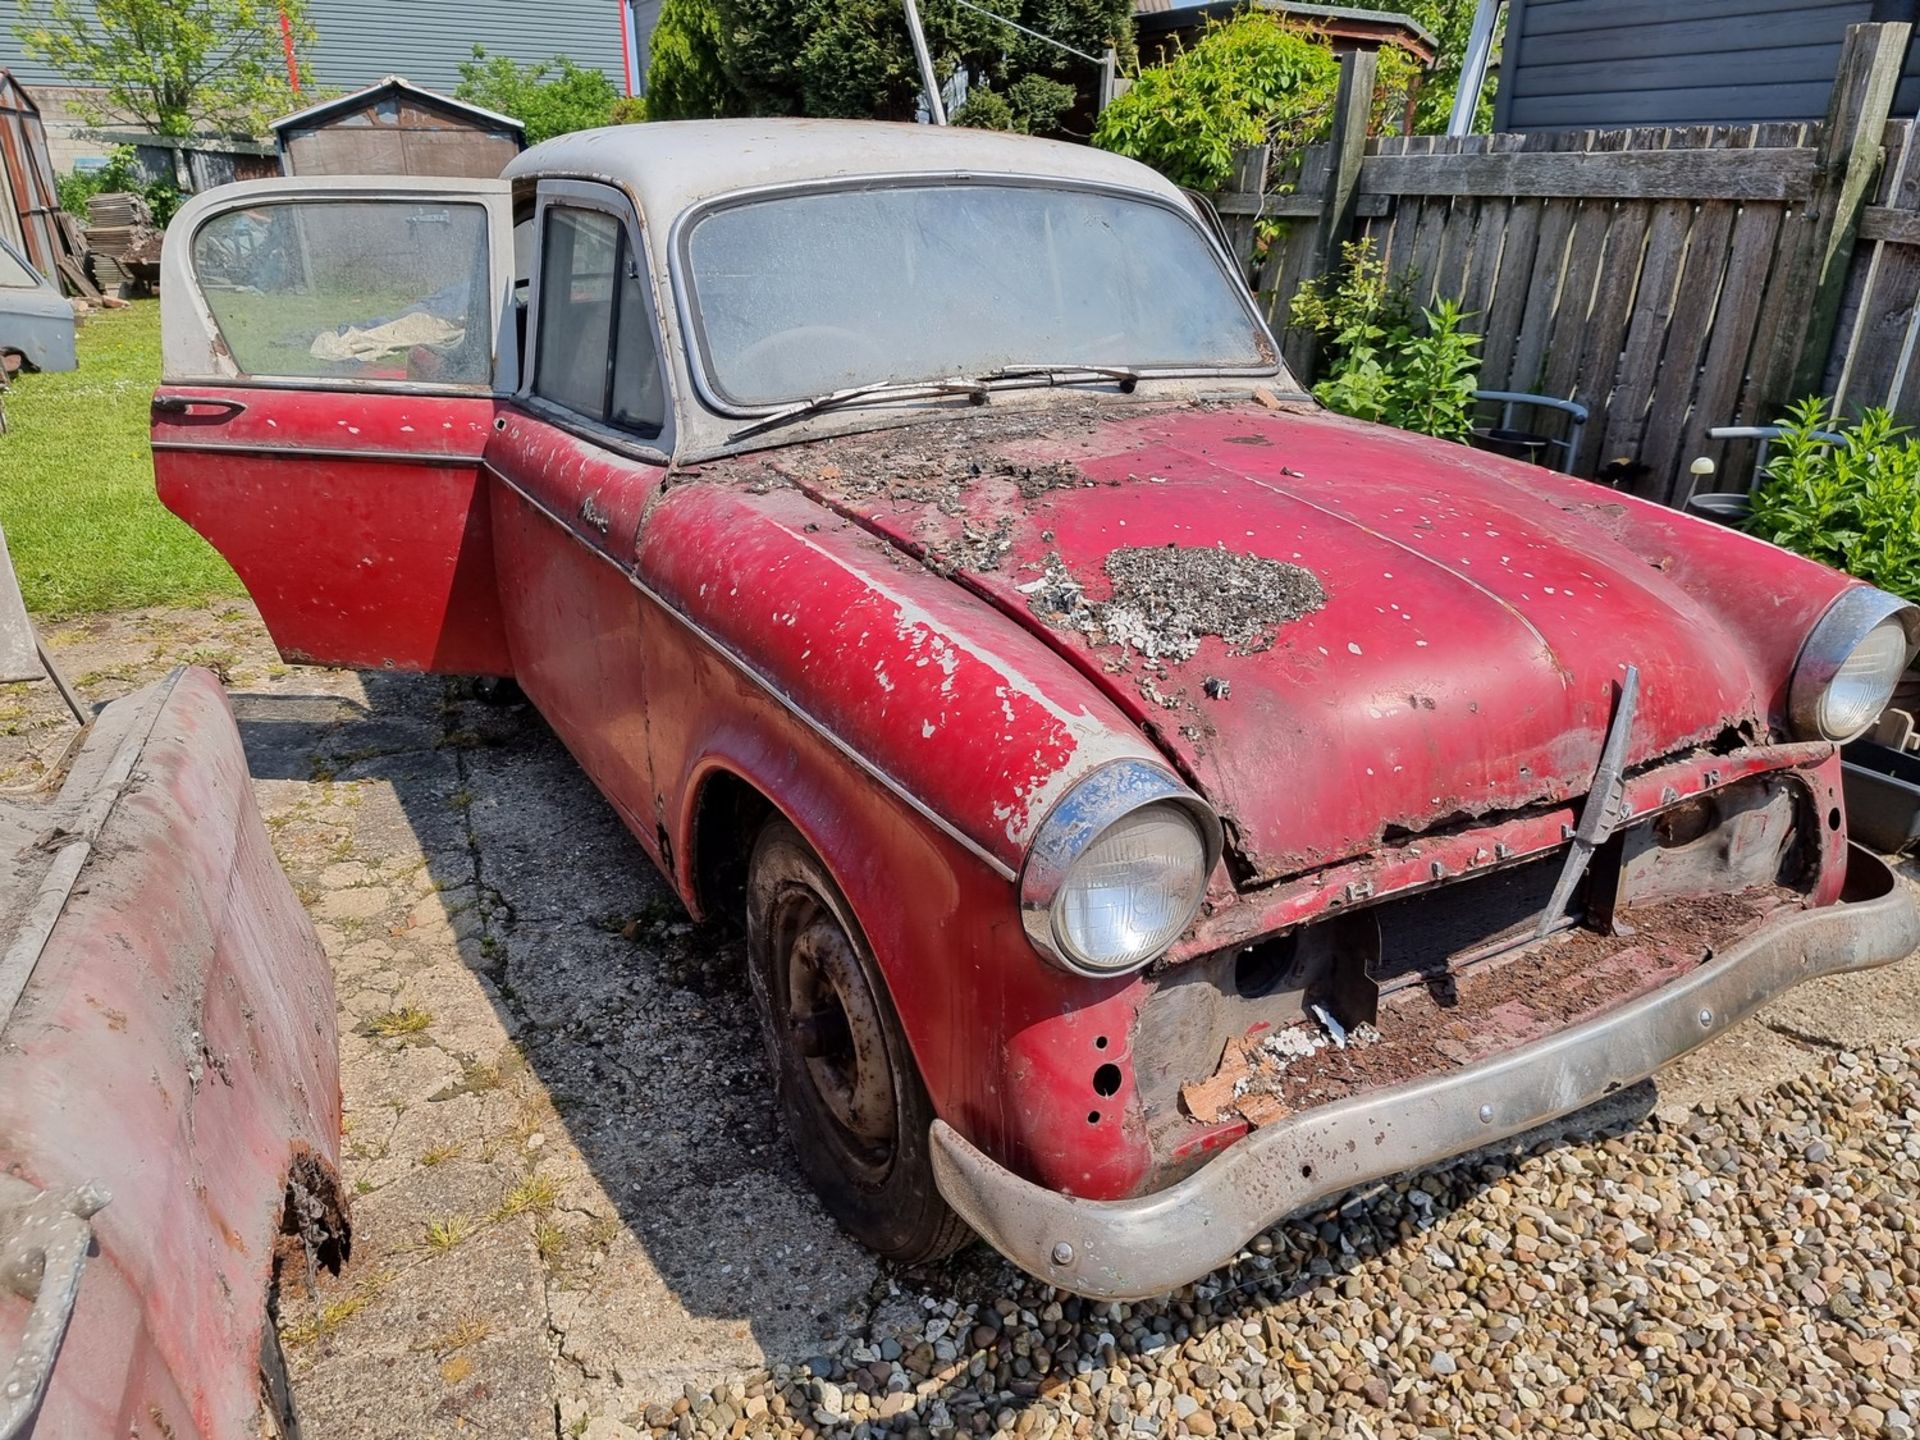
1132, 1249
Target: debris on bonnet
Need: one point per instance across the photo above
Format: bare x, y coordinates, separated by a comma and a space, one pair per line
977, 549
1217, 688
1165, 598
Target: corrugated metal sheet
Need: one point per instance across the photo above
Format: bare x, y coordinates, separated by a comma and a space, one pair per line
1598, 64
362, 41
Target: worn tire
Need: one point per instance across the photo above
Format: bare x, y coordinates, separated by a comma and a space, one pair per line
881, 1190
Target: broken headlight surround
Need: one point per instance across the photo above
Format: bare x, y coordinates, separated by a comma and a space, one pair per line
1118, 869
1850, 663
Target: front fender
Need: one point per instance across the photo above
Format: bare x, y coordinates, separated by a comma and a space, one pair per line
929, 689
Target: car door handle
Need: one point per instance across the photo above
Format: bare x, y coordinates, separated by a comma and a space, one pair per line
187, 404
44, 1239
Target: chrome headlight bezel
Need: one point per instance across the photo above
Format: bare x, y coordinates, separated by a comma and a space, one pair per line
1076, 823
1834, 638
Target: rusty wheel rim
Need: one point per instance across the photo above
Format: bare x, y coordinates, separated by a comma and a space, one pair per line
838, 1031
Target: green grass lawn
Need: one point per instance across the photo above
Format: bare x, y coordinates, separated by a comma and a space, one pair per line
76, 482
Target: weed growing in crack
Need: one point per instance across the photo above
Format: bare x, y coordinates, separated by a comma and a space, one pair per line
393, 1024
536, 1193
448, 1231
439, 1155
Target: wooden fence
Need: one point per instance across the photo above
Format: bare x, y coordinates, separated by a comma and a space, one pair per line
1671, 280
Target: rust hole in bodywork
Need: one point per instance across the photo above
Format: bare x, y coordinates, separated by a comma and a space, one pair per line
1093, 1117
1099, 1042
1106, 1080
1833, 818
1261, 968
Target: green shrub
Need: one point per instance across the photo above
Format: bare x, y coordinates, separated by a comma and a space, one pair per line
1253, 80
1854, 505
1385, 360
552, 97
121, 172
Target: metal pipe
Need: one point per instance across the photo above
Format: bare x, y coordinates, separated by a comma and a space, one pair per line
935, 107
1473, 68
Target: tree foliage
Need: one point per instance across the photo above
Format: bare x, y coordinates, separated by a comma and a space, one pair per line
1256, 79
853, 58
685, 80
1449, 22
176, 67
549, 97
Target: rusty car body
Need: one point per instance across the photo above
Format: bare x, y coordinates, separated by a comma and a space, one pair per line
169, 1079
1155, 804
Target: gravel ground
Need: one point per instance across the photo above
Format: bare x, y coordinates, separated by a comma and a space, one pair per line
1752, 1270
576, 1215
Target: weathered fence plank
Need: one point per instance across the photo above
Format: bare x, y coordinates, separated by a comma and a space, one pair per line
1671, 280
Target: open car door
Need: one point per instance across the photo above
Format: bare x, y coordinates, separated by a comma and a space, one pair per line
333, 347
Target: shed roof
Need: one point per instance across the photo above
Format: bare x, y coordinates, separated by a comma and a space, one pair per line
670, 165
397, 85
1388, 27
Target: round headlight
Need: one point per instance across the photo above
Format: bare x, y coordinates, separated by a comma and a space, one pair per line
1134, 890
1850, 664
1118, 869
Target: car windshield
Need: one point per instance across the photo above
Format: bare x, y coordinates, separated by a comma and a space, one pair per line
797, 295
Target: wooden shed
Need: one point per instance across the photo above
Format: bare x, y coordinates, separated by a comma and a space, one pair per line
1166, 25
398, 128
29, 205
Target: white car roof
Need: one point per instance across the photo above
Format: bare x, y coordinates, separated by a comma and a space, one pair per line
668, 166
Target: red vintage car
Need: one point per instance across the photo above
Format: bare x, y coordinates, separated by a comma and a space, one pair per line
1154, 804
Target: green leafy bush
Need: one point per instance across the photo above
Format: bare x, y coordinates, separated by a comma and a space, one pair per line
1253, 80
1387, 361
1854, 505
552, 97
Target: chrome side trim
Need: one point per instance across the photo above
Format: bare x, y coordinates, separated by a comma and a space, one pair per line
887, 782
320, 452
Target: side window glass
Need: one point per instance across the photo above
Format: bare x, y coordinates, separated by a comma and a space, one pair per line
351, 289
578, 254
639, 397
598, 352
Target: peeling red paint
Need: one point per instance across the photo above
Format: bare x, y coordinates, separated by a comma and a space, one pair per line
175, 1044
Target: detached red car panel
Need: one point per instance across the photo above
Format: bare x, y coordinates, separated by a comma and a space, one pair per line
1153, 804
169, 1077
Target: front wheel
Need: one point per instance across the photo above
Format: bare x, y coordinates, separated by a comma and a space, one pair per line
854, 1105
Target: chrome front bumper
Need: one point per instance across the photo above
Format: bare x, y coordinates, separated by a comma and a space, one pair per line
1131, 1249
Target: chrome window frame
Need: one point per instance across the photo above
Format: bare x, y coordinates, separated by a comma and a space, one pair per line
569, 194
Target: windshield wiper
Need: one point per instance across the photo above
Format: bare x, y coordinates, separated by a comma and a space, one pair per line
1068, 374
974, 390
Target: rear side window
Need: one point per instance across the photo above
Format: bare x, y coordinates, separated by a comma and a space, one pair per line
351, 289
596, 352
